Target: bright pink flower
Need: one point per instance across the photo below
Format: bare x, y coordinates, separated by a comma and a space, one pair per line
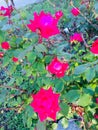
97, 100
59, 14
57, 67
6, 11
75, 11
5, 45
46, 103
45, 24
94, 48
96, 116
14, 59
1, 54
76, 37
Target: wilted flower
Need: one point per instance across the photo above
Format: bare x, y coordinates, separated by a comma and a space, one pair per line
45, 24
6, 11
75, 11
96, 116
46, 103
76, 37
14, 59
94, 48
5, 45
97, 100
57, 67
1, 54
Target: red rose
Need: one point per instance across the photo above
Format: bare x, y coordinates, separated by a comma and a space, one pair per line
46, 103
57, 67
14, 59
96, 116
45, 24
75, 11
6, 11
76, 37
58, 14
5, 45
94, 48
1, 54
97, 100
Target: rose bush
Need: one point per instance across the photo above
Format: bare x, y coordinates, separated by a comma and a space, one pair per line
66, 59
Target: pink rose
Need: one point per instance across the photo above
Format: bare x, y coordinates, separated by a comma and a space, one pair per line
46, 103
57, 67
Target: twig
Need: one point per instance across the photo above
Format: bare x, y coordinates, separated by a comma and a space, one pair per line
85, 44
15, 88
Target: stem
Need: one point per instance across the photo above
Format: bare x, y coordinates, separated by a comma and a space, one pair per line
15, 88
85, 44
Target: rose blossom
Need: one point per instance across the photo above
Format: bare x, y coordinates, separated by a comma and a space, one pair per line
75, 11
76, 37
97, 100
46, 103
57, 67
96, 116
14, 59
94, 48
45, 24
1, 54
6, 11
5, 45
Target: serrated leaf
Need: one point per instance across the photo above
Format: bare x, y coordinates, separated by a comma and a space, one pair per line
29, 122
12, 80
40, 48
80, 69
72, 95
96, 67
41, 125
84, 100
5, 61
90, 74
64, 109
1, 36
59, 86
31, 56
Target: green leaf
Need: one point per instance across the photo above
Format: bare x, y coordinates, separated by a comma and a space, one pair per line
96, 67
64, 122
59, 85
90, 74
24, 52
84, 100
41, 125
64, 109
31, 57
29, 111
29, 122
81, 69
5, 61
41, 48
19, 80
96, 6
2, 36
12, 80
72, 95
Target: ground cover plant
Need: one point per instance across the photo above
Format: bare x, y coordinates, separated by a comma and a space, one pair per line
49, 65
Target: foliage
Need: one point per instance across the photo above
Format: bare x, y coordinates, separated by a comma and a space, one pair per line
18, 80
